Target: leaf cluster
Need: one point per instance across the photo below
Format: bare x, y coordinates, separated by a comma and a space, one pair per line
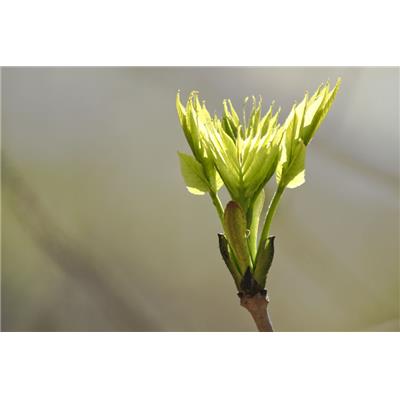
243, 154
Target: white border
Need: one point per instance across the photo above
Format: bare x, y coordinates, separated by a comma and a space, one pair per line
194, 366
199, 366
206, 32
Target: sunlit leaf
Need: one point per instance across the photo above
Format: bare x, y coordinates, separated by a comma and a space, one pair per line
234, 115
193, 174
317, 109
295, 173
254, 222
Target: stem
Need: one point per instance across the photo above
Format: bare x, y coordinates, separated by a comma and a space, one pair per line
218, 205
270, 213
257, 306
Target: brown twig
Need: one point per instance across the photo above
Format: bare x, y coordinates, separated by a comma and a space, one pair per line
257, 306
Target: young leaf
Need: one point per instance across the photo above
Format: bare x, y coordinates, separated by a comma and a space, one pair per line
234, 116
317, 109
255, 219
180, 109
183, 121
294, 175
235, 231
282, 161
213, 177
262, 170
193, 174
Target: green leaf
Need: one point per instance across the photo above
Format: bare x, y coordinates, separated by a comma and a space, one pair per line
281, 164
286, 147
264, 261
255, 219
192, 172
215, 180
300, 115
233, 113
183, 121
218, 181
223, 151
317, 109
291, 133
212, 175
262, 169
235, 231
294, 175
228, 127
180, 109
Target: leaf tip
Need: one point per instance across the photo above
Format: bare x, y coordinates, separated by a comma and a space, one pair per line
232, 205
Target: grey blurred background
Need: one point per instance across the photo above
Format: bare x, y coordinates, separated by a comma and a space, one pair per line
99, 232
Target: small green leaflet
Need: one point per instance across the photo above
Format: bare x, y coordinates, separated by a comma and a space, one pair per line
255, 219
294, 176
193, 174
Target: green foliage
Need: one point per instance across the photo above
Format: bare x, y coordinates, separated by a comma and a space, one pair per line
193, 119
300, 127
244, 154
245, 157
255, 214
193, 174
293, 168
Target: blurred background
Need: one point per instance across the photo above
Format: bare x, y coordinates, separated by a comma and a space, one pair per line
100, 234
